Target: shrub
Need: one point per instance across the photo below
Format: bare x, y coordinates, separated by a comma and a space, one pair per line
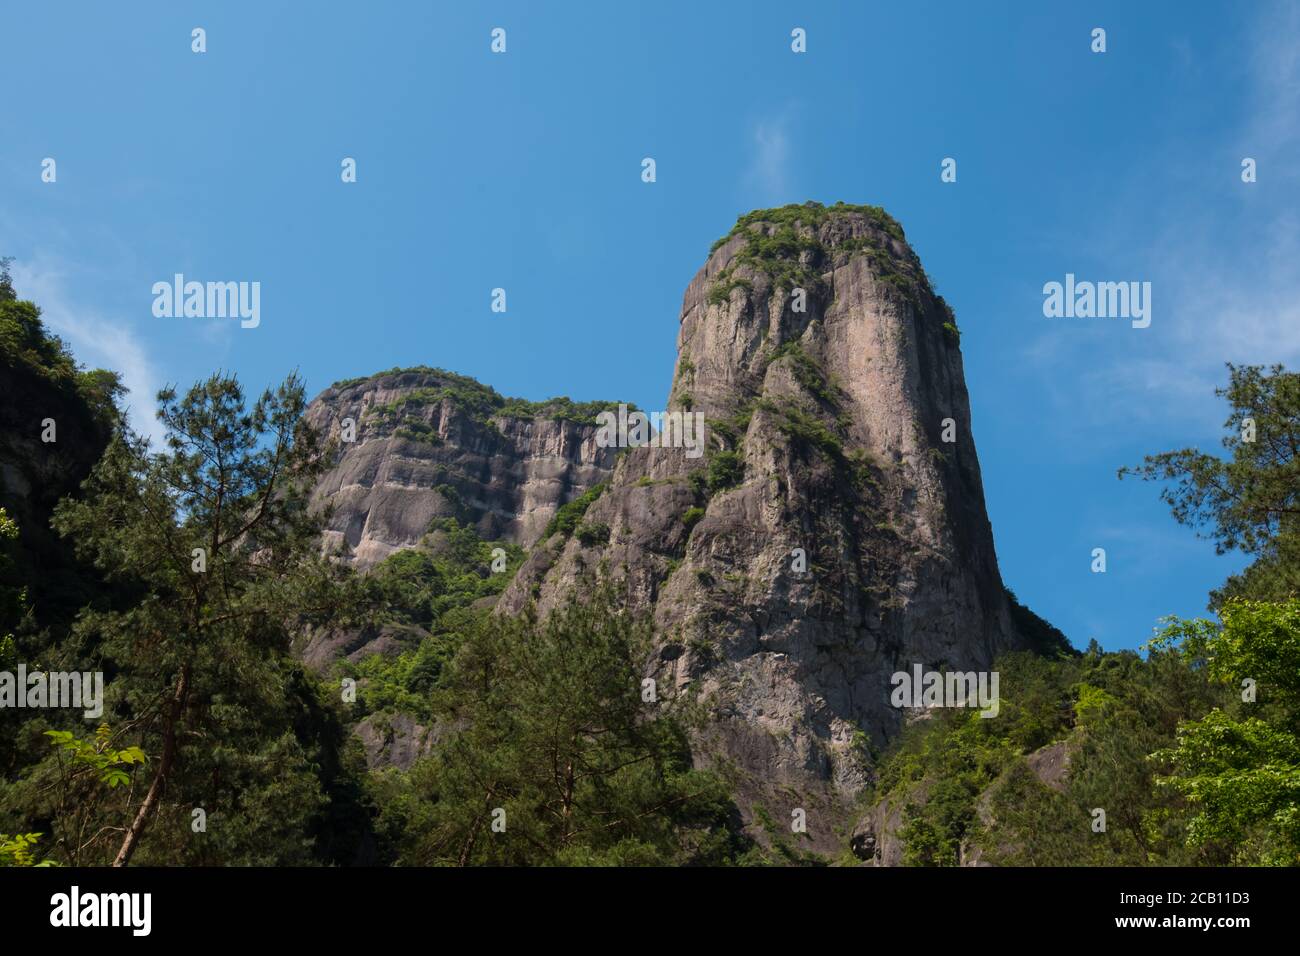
592, 533
726, 469
569, 514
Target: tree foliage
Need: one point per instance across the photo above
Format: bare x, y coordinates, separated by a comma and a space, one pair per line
211, 550
1239, 766
1249, 501
550, 755
1192, 753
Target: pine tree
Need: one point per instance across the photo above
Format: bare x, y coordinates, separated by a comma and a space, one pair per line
212, 550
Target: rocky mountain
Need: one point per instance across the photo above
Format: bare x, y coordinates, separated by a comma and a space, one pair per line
833, 533
830, 377
426, 444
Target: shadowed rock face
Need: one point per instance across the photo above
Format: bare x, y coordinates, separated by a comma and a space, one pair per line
833, 419
431, 444
35, 475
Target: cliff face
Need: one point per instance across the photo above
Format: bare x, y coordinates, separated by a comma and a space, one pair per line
36, 474
431, 444
833, 533
826, 415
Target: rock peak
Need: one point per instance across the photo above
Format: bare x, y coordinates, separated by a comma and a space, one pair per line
835, 531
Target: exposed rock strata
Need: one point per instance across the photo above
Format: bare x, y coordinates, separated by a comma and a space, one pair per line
430, 444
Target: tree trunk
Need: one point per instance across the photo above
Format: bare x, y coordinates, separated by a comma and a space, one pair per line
174, 710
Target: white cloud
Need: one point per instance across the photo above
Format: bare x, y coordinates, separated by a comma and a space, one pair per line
769, 167
1225, 287
1275, 67
96, 341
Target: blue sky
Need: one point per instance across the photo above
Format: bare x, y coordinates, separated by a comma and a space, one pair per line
522, 171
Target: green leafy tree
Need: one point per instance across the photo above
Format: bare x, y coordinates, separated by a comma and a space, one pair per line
1239, 768
1031, 824
1249, 501
85, 770
431, 595
212, 550
20, 850
553, 757
26, 343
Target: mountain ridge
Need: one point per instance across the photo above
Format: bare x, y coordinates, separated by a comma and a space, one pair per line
430, 444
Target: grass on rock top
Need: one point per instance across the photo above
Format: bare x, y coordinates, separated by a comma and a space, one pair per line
481, 402
792, 255
812, 215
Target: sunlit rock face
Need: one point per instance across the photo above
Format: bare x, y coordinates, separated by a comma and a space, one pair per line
428, 444
834, 533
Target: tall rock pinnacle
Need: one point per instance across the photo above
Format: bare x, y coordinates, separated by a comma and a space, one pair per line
834, 532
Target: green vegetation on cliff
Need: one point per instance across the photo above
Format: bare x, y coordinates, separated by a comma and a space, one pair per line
784, 244
46, 395
27, 346
481, 402
569, 514
438, 589
553, 757
811, 214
